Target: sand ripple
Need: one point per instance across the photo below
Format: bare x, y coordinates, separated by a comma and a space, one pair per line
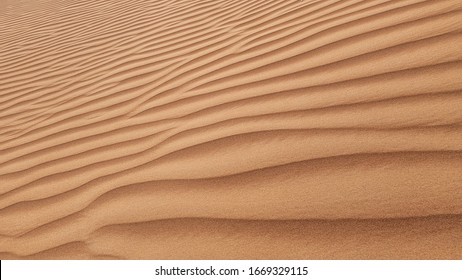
230, 129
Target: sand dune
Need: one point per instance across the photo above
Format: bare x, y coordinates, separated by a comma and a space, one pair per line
143, 129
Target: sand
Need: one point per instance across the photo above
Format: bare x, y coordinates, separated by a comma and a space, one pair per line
142, 129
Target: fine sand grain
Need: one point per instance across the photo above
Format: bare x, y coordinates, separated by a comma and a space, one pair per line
213, 129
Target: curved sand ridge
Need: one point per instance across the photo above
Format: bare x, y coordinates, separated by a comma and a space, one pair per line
231, 129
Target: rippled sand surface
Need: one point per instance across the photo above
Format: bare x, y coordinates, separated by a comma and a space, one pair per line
164, 129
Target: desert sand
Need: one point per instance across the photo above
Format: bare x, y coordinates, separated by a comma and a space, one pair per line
165, 129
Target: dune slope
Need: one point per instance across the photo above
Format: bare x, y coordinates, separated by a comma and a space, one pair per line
193, 129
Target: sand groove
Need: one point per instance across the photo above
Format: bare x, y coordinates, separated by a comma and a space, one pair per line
235, 129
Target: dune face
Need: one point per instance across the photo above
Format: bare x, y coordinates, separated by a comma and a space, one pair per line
141, 129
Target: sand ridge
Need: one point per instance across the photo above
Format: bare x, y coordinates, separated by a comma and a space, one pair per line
235, 129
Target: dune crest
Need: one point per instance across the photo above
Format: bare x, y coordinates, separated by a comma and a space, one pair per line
230, 129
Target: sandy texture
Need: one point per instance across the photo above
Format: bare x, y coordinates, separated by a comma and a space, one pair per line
231, 129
